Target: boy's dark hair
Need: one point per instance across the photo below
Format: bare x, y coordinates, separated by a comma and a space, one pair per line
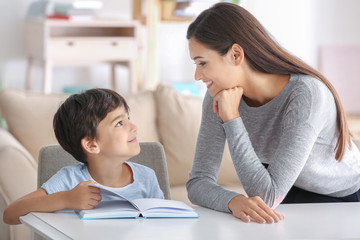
79, 116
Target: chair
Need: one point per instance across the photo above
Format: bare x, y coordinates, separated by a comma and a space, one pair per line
53, 157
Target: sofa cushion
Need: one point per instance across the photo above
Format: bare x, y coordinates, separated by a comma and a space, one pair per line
143, 115
179, 119
29, 116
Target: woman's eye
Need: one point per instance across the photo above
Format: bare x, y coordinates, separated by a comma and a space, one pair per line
201, 64
119, 124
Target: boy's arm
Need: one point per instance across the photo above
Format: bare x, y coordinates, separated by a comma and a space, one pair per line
80, 197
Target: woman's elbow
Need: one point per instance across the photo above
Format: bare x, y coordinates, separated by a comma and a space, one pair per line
189, 189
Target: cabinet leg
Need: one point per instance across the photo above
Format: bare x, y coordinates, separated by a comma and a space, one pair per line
47, 75
132, 77
29, 74
132, 84
113, 77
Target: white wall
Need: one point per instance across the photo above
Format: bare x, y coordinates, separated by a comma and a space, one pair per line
338, 40
174, 58
12, 62
290, 22
337, 22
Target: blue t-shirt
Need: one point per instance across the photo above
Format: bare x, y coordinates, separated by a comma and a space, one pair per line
145, 184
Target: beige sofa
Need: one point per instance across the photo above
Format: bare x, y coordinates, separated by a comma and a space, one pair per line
162, 115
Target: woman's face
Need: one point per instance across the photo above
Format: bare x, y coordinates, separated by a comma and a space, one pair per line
217, 72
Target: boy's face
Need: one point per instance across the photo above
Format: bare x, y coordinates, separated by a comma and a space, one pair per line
116, 135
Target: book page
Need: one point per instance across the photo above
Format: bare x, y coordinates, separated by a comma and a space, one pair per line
107, 191
151, 203
147, 207
110, 209
155, 208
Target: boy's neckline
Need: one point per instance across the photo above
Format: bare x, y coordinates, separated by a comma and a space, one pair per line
120, 185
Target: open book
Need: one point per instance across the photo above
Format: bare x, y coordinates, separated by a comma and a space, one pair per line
138, 208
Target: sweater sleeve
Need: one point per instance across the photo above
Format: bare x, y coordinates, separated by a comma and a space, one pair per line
271, 184
299, 126
201, 186
299, 129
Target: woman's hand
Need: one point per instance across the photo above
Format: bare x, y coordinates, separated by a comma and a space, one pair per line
83, 196
226, 103
246, 208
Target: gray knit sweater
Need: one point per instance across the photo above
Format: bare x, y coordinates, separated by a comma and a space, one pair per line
295, 133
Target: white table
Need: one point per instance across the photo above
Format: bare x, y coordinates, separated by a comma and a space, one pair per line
302, 221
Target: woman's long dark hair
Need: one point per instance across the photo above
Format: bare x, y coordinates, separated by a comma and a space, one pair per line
224, 24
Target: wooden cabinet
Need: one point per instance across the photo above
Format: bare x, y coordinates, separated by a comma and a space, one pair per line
61, 42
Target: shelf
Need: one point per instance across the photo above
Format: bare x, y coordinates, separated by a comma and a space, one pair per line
61, 42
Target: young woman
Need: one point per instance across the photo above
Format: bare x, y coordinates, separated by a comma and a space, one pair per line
283, 121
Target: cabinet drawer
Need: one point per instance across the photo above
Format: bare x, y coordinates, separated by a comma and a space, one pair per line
91, 49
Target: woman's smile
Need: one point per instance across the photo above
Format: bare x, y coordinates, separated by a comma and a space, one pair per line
208, 83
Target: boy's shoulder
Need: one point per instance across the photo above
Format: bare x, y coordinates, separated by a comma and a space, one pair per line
78, 171
66, 178
74, 168
139, 168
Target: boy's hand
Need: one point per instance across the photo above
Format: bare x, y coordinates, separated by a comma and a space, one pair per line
255, 208
83, 196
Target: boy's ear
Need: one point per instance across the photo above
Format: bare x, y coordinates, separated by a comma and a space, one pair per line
90, 145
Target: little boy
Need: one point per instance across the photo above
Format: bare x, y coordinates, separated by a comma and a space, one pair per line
95, 128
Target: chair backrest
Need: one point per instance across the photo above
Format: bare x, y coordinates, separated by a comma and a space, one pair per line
53, 157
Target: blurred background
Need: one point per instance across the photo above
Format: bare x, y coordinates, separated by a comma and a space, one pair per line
324, 33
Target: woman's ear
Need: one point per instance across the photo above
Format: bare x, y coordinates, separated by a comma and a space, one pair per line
237, 53
90, 145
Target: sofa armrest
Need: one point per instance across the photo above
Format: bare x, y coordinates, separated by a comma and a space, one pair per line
18, 172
